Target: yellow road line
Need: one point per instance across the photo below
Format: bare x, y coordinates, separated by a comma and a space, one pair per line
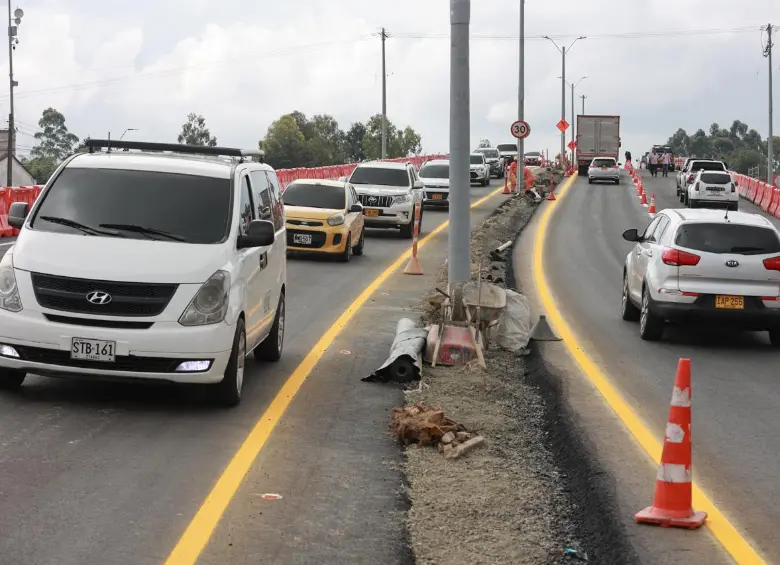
199, 530
718, 524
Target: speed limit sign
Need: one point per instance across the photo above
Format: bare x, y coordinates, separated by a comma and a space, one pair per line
520, 129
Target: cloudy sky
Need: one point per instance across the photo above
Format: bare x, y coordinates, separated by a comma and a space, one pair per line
145, 64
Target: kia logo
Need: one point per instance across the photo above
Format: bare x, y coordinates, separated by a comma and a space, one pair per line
99, 297
732, 263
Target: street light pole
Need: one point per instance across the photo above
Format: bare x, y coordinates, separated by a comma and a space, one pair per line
521, 84
563, 50
770, 155
583, 103
573, 117
459, 269
123, 134
384, 97
12, 41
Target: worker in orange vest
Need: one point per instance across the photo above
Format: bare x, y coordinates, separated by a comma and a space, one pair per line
512, 175
528, 182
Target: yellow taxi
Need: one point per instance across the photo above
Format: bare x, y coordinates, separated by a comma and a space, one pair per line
324, 216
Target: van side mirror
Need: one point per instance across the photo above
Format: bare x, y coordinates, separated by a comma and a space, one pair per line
631, 235
357, 208
418, 184
17, 214
261, 233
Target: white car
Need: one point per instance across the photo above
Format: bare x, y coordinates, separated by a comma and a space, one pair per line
604, 169
692, 167
494, 161
479, 169
703, 266
713, 189
149, 264
435, 176
388, 191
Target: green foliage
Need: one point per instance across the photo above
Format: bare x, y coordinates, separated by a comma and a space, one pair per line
741, 147
55, 142
294, 140
41, 168
484, 143
195, 132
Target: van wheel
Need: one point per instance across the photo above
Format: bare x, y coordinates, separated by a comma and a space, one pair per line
651, 327
228, 391
358, 249
11, 380
628, 311
271, 347
347, 254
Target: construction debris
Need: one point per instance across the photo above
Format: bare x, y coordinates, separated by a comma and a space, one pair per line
425, 425
465, 447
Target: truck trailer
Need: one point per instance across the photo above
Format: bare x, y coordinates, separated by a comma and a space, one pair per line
597, 136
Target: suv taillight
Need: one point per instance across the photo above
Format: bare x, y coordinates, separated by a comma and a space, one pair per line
696, 187
677, 258
772, 264
733, 187
690, 179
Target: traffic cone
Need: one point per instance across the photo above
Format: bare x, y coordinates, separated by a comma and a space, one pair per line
506, 183
673, 500
542, 331
652, 204
551, 194
644, 199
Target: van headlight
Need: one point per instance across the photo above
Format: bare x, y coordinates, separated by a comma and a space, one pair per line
336, 219
9, 292
403, 199
210, 304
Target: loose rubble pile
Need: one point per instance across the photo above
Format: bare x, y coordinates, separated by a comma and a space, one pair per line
425, 425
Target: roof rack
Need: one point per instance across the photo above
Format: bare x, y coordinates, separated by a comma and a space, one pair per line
93, 144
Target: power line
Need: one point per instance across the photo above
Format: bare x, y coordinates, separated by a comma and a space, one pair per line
628, 35
180, 70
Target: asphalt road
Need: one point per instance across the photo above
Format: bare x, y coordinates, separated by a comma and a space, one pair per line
112, 473
735, 375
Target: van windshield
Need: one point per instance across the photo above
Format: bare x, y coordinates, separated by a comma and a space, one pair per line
165, 206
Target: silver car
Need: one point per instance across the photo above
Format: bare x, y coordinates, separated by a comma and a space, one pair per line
480, 171
706, 267
604, 169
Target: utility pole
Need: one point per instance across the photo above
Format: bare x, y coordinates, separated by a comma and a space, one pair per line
459, 269
521, 85
12, 41
384, 96
583, 103
563, 87
770, 155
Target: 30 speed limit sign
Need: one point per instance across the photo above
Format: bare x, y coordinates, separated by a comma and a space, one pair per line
520, 129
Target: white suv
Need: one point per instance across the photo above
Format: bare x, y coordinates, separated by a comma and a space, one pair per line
703, 266
388, 192
713, 189
479, 169
435, 175
693, 166
163, 262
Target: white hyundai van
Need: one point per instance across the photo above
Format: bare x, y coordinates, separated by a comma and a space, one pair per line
157, 261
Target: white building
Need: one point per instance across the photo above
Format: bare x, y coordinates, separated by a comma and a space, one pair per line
20, 175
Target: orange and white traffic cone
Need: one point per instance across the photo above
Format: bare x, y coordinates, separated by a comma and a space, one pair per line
643, 196
413, 267
652, 204
673, 500
506, 182
551, 194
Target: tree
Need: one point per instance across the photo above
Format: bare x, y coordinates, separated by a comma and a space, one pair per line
326, 143
356, 152
284, 144
195, 132
399, 143
679, 142
484, 143
411, 142
41, 168
55, 142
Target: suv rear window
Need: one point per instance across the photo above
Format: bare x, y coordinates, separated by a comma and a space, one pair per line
192, 208
716, 178
707, 166
728, 238
382, 177
508, 147
476, 159
603, 163
315, 196
435, 171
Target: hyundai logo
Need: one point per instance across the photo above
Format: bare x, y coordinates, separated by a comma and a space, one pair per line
99, 297
732, 263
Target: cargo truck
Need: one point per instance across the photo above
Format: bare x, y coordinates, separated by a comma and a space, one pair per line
597, 136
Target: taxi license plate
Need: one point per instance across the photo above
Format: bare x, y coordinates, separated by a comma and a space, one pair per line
93, 350
371, 212
436, 196
730, 302
603, 168
302, 238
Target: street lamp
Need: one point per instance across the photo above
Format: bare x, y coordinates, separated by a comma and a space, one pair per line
128, 129
562, 51
13, 27
573, 120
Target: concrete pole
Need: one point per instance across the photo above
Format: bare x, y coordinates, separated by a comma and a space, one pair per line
770, 155
11, 125
459, 268
583, 103
521, 86
573, 121
384, 97
563, 101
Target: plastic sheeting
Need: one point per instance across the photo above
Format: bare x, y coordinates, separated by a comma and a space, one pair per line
514, 326
404, 363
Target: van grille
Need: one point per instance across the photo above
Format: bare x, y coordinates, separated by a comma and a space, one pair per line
375, 201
